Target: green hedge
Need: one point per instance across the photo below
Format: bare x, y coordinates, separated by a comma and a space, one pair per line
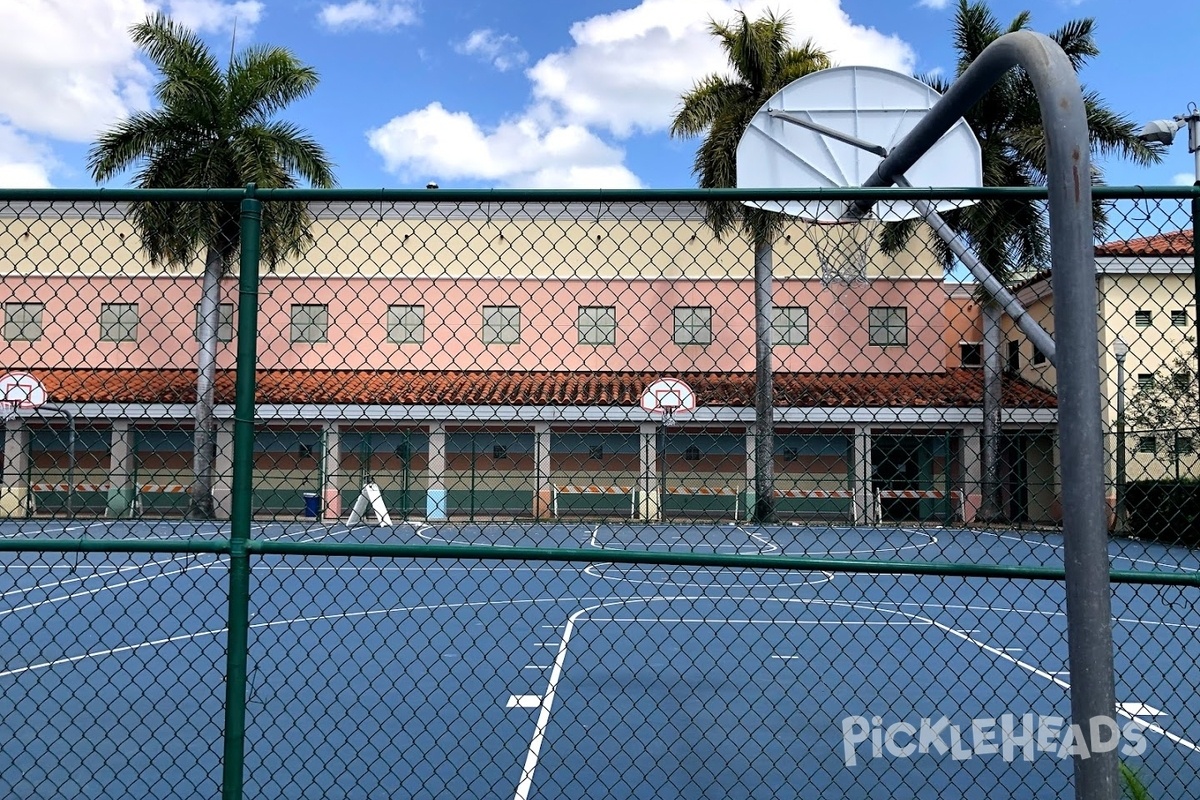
1165, 511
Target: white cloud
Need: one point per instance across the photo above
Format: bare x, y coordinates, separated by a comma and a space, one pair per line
624, 74
501, 49
23, 164
627, 70
1183, 178
68, 69
215, 16
375, 14
524, 152
935, 4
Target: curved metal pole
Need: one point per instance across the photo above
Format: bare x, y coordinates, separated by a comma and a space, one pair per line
1085, 526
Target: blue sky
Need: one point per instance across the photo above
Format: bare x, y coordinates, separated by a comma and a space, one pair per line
526, 93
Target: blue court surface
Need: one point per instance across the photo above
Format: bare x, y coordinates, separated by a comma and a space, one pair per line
374, 678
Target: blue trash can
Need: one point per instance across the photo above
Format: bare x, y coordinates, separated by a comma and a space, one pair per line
311, 504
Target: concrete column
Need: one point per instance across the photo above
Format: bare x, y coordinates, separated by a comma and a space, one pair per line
331, 473
15, 500
543, 492
751, 469
223, 470
865, 512
436, 505
972, 472
122, 495
650, 491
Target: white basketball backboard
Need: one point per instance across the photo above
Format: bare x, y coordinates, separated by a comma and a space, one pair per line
668, 397
868, 103
20, 390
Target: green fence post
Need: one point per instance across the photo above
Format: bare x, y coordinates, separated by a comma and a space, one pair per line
243, 485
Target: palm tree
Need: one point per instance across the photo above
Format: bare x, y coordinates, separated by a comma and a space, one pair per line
214, 129
720, 107
1012, 236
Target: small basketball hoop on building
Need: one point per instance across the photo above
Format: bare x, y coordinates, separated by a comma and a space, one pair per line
20, 391
668, 397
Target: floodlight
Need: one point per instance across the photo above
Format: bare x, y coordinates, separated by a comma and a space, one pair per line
1161, 131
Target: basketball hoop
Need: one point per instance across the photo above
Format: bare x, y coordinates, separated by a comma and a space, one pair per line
20, 391
668, 397
843, 250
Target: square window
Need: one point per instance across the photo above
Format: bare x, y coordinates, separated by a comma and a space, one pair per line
596, 452
1012, 362
791, 325
693, 325
1039, 357
1182, 380
789, 454
971, 354
888, 325
305, 451
692, 453
403, 452
501, 324
499, 451
597, 325
1147, 444
224, 322
1145, 380
23, 321
406, 324
1141, 318
118, 322
1179, 319
1184, 445
310, 323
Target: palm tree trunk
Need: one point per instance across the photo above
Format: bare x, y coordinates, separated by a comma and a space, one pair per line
200, 506
764, 395
989, 507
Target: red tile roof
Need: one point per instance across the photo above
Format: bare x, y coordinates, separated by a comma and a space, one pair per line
953, 388
1172, 243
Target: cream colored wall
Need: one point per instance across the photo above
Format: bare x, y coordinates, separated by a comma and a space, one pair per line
515, 240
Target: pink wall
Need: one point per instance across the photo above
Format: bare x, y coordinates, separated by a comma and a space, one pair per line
838, 336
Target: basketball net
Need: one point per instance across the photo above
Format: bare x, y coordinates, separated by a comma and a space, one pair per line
668, 411
843, 250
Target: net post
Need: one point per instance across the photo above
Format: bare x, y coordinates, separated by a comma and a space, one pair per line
233, 765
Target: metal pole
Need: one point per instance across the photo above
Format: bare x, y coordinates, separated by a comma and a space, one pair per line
1085, 507
1120, 510
764, 391
1196, 263
243, 484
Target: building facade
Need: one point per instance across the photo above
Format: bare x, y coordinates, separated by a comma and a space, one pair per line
487, 360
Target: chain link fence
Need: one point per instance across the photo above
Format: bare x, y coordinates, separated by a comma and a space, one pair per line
511, 519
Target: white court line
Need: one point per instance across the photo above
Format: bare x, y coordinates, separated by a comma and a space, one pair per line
58, 584
374, 612
764, 622
543, 719
1053, 546
1053, 678
1029, 612
216, 560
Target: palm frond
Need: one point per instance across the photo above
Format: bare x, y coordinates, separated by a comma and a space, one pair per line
701, 106
264, 80
1078, 41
